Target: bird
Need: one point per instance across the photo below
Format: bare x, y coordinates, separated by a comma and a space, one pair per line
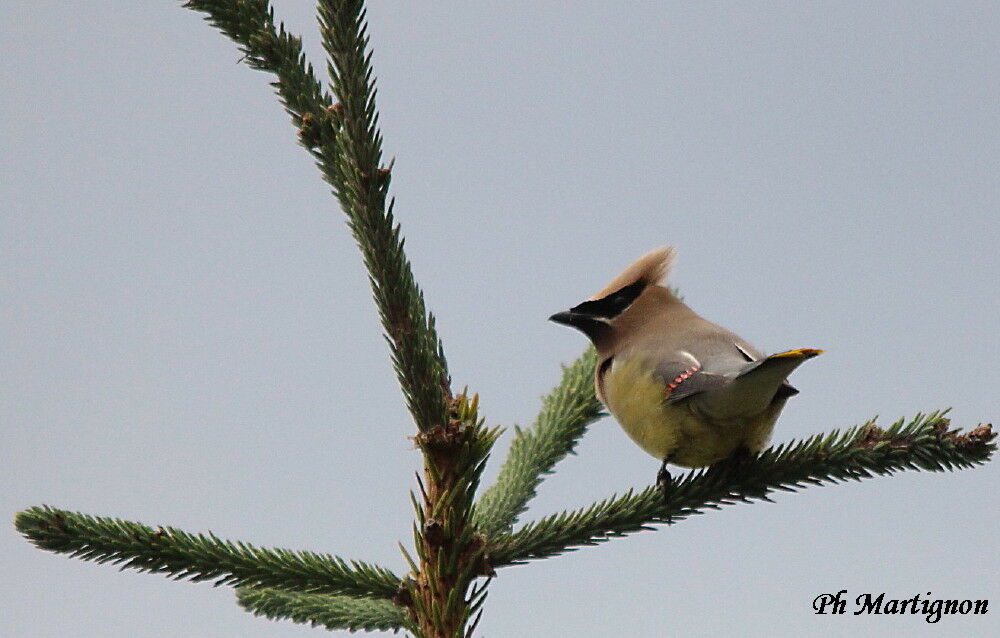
685, 390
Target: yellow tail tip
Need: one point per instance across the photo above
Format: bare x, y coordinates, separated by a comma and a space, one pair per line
801, 353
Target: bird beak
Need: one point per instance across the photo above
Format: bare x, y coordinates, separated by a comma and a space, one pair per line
586, 323
566, 318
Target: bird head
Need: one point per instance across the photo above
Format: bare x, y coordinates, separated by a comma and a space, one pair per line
615, 305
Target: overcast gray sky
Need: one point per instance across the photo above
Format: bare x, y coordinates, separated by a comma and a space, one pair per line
188, 337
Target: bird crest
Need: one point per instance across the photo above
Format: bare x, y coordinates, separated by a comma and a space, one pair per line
648, 270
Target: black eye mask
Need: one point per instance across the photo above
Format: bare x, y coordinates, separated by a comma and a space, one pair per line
612, 305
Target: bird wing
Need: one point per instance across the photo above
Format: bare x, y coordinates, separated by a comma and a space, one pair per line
683, 379
690, 375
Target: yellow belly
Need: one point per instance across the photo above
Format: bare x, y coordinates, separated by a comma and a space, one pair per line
672, 430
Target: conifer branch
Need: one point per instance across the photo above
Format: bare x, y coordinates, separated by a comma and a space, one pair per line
450, 551
323, 610
266, 46
925, 443
345, 141
566, 413
199, 557
351, 163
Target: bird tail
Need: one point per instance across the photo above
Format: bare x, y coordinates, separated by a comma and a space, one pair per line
798, 353
757, 385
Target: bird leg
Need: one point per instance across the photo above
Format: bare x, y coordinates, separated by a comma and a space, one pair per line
664, 481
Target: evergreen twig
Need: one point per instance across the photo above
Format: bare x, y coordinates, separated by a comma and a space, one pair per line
266, 46
925, 443
351, 163
323, 610
346, 143
566, 413
199, 557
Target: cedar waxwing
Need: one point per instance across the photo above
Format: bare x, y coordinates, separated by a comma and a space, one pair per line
685, 390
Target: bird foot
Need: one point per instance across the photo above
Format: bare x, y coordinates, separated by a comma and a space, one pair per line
739, 459
664, 482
